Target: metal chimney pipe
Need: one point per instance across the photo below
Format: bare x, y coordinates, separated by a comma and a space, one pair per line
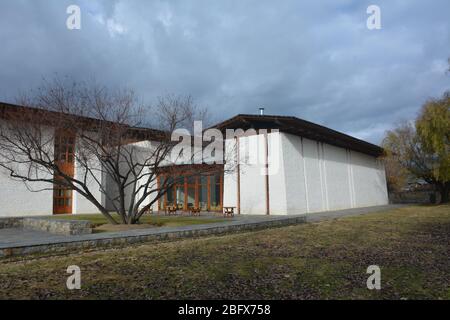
261, 111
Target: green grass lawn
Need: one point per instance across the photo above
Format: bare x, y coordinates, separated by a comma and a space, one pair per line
324, 260
153, 220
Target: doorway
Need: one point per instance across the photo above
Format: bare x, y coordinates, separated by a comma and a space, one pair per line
64, 159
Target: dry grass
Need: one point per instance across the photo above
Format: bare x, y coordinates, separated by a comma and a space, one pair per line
325, 260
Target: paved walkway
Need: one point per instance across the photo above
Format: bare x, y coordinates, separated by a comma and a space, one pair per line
20, 238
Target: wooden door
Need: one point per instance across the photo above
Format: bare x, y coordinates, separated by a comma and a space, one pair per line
62, 200
64, 158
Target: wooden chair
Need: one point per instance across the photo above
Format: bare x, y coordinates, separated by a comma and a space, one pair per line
194, 211
228, 212
171, 210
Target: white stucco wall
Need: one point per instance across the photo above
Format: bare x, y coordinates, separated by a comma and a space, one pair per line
252, 180
337, 177
80, 204
16, 199
296, 195
230, 176
277, 176
311, 176
142, 151
369, 180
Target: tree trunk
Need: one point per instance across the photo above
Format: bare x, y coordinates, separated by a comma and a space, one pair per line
444, 189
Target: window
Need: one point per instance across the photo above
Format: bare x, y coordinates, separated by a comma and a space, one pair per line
64, 148
204, 192
215, 192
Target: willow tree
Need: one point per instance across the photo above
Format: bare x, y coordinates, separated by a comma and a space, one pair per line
422, 148
433, 130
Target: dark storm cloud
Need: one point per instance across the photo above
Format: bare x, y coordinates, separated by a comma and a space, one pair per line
312, 59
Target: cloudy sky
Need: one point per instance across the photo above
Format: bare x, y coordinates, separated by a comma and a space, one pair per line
312, 59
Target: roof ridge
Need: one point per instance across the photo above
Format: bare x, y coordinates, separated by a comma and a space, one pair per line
310, 130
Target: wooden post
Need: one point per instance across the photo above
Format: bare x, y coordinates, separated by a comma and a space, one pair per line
208, 192
221, 191
185, 185
158, 185
196, 204
266, 142
238, 156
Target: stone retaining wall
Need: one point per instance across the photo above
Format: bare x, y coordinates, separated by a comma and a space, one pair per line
63, 227
117, 240
6, 223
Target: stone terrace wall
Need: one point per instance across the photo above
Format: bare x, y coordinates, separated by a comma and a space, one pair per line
63, 227
6, 223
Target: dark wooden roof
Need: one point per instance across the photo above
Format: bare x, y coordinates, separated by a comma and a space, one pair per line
300, 128
12, 111
286, 124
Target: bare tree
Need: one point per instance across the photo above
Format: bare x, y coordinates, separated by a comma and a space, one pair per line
113, 153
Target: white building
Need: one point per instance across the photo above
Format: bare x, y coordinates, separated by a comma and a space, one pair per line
310, 169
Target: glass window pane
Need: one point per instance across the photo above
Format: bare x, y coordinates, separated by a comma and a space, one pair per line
213, 197
191, 197
191, 180
180, 196
170, 181
215, 193
203, 196
179, 180
170, 197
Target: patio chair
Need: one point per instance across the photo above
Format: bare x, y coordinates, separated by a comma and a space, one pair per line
171, 209
194, 211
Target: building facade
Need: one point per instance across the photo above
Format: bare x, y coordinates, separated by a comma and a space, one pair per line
305, 168
275, 165
307, 176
